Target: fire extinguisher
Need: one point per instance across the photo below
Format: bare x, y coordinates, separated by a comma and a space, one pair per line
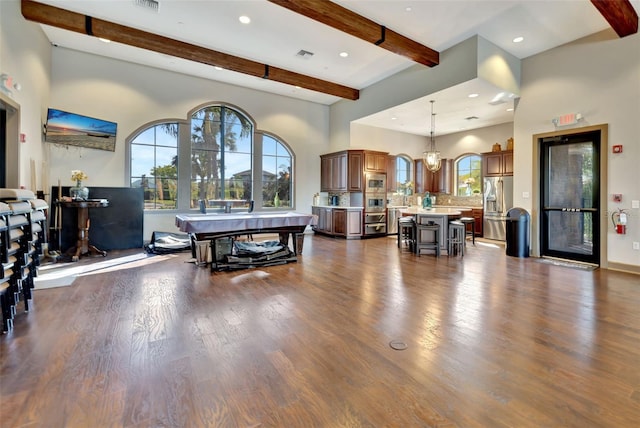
619, 219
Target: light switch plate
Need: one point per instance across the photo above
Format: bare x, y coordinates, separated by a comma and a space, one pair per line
635, 204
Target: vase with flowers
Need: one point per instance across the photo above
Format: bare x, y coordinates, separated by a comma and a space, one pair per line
79, 192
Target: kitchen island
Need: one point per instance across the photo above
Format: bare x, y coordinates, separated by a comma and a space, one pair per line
438, 215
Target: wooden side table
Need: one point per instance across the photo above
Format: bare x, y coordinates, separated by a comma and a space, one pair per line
83, 246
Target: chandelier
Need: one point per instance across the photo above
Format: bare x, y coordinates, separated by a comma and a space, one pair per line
431, 157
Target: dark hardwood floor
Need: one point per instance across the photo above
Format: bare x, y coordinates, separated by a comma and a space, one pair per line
492, 341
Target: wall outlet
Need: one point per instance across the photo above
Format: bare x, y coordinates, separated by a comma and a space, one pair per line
525, 195
635, 204
636, 245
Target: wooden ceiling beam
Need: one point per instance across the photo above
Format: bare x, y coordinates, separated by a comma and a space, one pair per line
620, 14
349, 22
79, 23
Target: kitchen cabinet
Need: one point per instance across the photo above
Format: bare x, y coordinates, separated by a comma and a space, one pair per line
433, 182
325, 219
344, 171
392, 180
354, 171
345, 222
477, 216
333, 172
497, 164
375, 161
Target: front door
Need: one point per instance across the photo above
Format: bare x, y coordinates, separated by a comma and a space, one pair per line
570, 201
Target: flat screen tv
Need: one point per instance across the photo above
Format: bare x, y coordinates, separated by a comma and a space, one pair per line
76, 130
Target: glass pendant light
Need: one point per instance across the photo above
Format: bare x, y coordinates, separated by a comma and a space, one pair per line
431, 157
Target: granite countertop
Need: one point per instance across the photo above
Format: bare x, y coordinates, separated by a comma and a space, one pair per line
338, 206
432, 211
458, 207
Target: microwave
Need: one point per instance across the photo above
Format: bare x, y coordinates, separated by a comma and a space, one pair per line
375, 183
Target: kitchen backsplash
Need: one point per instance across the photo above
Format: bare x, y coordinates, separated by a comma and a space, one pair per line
395, 199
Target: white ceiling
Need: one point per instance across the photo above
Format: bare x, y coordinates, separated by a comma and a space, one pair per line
275, 35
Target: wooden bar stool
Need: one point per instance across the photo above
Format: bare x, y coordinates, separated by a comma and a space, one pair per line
422, 243
407, 232
457, 237
469, 221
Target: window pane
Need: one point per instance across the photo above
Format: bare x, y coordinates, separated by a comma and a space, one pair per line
154, 157
469, 175
142, 160
276, 174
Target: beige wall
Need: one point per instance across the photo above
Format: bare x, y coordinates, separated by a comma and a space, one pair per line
132, 95
25, 56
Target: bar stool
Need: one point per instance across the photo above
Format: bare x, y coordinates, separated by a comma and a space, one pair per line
456, 237
469, 221
407, 232
434, 244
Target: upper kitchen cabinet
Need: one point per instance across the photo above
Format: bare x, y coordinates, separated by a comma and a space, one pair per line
354, 173
433, 182
392, 179
333, 172
375, 161
344, 171
497, 164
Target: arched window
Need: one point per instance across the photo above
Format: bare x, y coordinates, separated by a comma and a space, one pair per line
403, 173
214, 156
277, 177
154, 165
468, 174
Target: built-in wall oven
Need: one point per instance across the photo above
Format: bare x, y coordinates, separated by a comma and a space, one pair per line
375, 183
375, 205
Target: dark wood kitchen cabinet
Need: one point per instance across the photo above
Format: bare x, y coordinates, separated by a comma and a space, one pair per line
497, 164
354, 171
345, 222
392, 180
433, 182
375, 161
477, 214
344, 171
333, 172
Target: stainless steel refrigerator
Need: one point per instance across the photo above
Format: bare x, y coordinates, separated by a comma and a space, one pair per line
498, 199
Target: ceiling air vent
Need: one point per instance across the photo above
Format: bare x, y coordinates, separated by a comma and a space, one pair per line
471, 118
304, 54
148, 4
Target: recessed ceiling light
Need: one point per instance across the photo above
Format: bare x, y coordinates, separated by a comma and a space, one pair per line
102, 39
510, 109
518, 39
473, 95
408, 9
244, 19
344, 54
394, 118
217, 67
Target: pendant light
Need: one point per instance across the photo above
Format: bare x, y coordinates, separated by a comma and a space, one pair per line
431, 157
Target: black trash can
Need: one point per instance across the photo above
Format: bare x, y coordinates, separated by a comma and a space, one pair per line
517, 233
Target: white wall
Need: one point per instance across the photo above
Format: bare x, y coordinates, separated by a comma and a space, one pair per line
450, 146
132, 95
599, 77
25, 55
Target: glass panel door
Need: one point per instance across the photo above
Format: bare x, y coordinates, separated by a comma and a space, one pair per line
570, 197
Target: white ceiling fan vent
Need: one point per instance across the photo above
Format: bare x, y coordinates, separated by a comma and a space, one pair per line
304, 54
148, 4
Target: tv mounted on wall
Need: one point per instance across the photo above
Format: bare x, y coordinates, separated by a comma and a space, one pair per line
77, 130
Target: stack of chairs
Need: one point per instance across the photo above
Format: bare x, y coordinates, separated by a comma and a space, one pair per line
22, 234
